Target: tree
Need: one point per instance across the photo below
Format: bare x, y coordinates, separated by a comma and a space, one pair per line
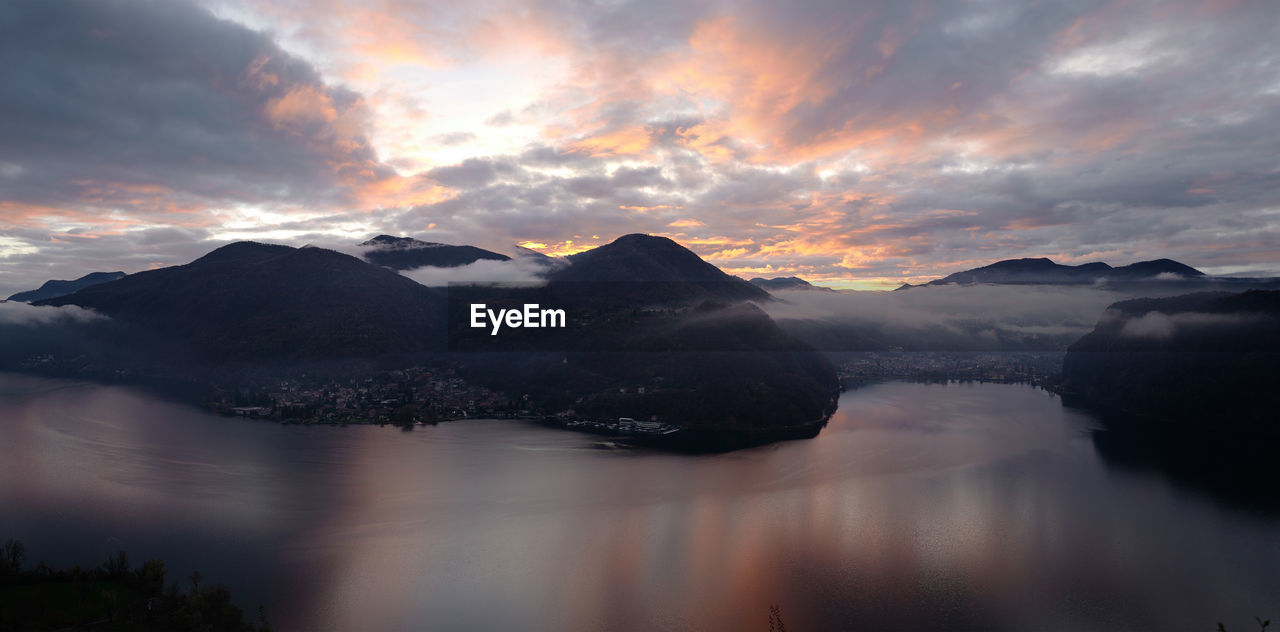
12, 556
151, 576
117, 566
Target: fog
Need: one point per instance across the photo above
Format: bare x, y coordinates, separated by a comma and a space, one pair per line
1162, 326
950, 317
17, 313
521, 271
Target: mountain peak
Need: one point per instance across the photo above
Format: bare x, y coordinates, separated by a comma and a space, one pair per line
389, 241
1156, 267
244, 250
250, 300
407, 253
646, 243
639, 258
386, 239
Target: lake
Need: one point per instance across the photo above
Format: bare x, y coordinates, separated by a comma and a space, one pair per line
920, 506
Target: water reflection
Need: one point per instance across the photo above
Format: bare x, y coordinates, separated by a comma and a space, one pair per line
1234, 472
971, 507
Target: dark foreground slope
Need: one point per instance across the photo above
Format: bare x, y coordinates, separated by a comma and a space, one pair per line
249, 301
1208, 360
726, 374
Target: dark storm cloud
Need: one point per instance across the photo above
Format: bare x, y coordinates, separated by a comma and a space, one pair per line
471, 173
120, 95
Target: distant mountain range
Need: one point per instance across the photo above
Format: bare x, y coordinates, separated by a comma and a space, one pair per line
407, 253
52, 289
1045, 271
787, 283
644, 311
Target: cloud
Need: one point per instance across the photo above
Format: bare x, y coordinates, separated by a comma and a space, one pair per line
1045, 318
1155, 325
454, 138
24, 314
518, 271
874, 142
1161, 326
472, 173
159, 109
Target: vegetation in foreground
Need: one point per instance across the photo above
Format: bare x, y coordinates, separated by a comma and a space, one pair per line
113, 596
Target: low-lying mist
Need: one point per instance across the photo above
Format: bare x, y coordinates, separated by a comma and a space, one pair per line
521, 271
949, 317
17, 313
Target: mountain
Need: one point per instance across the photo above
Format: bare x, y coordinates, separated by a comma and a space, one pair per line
787, 283
52, 289
726, 374
407, 253
677, 340
1045, 271
248, 301
1203, 360
1153, 269
635, 264
534, 259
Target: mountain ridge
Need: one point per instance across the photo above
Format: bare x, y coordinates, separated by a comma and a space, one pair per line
646, 259
1042, 270
250, 300
1204, 360
56, 288
787, 283
407, 253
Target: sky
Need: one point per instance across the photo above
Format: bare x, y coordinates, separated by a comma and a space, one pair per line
855, 144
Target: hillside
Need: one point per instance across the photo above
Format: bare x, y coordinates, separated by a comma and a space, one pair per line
249, 301
1203, 360
53, 289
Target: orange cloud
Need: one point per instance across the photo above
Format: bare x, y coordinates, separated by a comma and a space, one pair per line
399, 191
302, 104
754, 82
558, 249
623, 142
654, 207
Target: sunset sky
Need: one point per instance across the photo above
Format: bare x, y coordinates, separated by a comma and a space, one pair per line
856, 144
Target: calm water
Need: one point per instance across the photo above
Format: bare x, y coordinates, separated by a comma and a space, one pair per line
957, 507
